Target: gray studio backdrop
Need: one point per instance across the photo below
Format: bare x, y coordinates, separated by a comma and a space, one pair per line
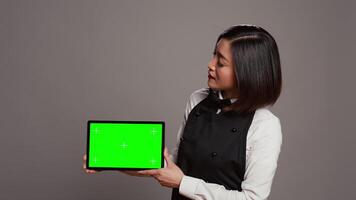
64, 62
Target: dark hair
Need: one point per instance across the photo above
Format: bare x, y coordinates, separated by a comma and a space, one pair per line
257, 66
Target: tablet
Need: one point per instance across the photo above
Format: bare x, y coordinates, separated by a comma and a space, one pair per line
126, 145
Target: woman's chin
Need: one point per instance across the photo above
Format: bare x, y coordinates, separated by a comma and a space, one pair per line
212, 85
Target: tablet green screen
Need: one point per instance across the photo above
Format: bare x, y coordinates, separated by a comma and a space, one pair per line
125, 145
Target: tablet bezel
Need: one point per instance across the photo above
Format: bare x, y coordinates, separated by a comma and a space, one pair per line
126, 122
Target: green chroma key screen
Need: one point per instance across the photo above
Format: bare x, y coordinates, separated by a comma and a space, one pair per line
125, 145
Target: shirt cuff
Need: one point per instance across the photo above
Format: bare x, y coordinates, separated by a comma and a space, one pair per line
188, 186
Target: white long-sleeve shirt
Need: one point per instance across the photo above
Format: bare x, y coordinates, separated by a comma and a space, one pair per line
264, 140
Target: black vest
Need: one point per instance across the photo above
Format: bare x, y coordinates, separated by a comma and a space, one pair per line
213, 146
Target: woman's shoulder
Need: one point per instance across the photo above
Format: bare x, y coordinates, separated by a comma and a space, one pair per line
264, 114
198, 95
195, 98
265, 123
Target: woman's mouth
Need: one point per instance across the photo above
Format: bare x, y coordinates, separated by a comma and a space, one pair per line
210, 77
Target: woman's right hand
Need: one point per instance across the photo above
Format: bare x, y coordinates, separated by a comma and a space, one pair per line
128, 172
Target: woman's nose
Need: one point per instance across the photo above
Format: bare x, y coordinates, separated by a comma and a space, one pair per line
211, 64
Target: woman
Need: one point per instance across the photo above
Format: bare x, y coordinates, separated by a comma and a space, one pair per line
229, 142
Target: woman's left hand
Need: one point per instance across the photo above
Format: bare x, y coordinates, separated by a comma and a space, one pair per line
169, 176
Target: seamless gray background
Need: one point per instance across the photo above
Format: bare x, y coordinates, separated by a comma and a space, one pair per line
64, 62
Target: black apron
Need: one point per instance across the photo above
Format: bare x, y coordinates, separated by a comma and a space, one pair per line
213, 146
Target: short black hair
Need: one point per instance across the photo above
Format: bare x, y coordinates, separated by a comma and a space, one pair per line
257, 66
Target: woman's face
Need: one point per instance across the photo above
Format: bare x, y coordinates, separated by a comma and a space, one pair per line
221, 73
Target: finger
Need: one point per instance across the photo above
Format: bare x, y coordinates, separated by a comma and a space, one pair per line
133, 173
90, 171
165, 150
167, 157
148, 172
85, 157
84, 165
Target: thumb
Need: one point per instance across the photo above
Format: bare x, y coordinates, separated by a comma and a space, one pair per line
167, 157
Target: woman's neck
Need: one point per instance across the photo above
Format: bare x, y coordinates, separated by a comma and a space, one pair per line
229, 94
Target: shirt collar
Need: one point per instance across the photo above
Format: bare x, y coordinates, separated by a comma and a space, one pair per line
221, 97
